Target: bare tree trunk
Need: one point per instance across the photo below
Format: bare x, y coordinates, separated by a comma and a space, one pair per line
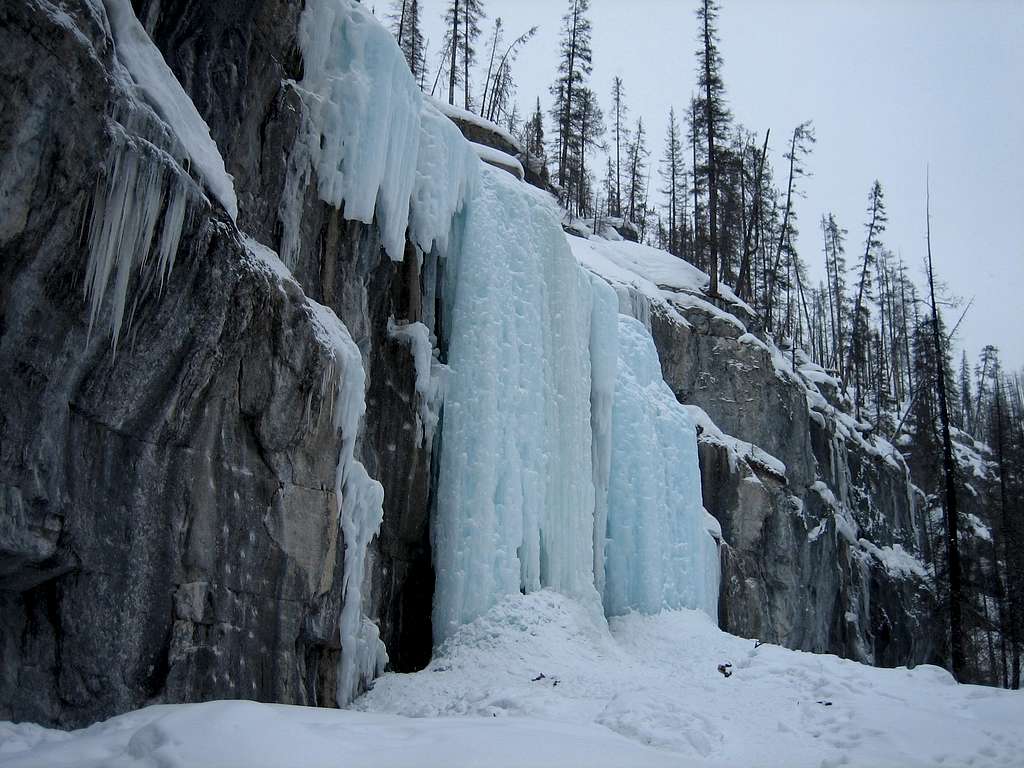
749, 246
783, 232
455, 54
956, 631
709, 111
563, 161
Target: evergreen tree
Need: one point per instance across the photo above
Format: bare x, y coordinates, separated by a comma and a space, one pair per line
574, 67
954, 575
534, 143
835, 267
588, 129
753, 241
673, 175
715, 117
621, 139
462, 22
966, 414
636, 180
695, 136
799, 147
861, 315
406, 27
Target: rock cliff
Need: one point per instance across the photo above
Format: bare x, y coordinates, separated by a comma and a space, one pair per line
168, 501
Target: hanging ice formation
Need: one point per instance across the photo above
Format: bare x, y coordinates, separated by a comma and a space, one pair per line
659, 554
142, 197
566, 461
375, 145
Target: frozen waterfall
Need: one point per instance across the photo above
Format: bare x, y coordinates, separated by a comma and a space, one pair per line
566, 461
658, 554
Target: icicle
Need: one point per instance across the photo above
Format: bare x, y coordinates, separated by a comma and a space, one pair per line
378, 149
431, 374
126, 214
360, 509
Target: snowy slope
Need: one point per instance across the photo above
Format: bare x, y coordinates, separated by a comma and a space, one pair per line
655, 679
537, 681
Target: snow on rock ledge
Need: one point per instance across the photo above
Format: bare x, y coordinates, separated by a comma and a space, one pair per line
360, 498
150, 74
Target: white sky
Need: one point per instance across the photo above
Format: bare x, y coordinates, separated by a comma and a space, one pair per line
892, 86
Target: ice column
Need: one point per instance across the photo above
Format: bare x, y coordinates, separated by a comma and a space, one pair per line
604, 353
515, 503
658, 553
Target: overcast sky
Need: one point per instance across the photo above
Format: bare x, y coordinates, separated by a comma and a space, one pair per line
892, 86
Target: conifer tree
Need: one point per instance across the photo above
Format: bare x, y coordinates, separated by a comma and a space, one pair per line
956, 626
715, 117
406, 27
574, 67
462, 22
621, 139
534, 143
799, 147
835, 267
861, 328
673, 175
636, 180
695, 134
966, 415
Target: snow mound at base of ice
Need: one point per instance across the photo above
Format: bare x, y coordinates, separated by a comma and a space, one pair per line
655, 679
536, 681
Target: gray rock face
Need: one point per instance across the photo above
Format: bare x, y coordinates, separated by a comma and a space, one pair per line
167, 514
168, 520
789, 576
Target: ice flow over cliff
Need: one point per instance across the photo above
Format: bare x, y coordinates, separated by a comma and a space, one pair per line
565, 461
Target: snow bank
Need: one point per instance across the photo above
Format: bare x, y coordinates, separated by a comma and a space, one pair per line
462, 115
251, 735
738, 450
636, 293
499, 159
535, 681
896, 560
655, 680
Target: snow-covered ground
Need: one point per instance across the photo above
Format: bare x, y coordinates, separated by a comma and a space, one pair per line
539, 681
